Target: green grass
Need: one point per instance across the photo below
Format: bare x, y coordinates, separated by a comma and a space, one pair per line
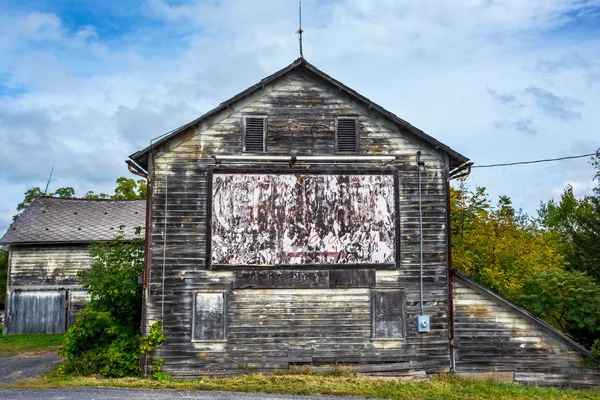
32, 344
441, 387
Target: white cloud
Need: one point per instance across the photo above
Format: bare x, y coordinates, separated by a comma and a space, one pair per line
580, 188
486, 77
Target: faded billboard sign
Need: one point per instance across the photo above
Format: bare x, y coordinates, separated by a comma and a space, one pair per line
285, 219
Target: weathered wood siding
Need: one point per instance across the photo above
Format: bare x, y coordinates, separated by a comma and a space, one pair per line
38, 276
492, 336
47, 264
301, 116
78, 299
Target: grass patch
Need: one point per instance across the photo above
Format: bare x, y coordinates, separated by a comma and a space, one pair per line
442, 387
32, 344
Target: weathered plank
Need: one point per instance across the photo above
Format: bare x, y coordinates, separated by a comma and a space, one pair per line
48, 264
490, 335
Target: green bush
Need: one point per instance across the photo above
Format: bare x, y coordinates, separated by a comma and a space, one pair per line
568, 300
97, 344
593, 360
106, 337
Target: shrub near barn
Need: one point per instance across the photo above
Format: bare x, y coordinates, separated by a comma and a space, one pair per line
106, 336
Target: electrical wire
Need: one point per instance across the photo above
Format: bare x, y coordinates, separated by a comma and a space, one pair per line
533, 162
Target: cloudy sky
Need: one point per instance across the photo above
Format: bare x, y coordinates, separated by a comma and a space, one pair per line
85, 83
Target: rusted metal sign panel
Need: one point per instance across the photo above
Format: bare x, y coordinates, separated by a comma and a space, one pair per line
285, 219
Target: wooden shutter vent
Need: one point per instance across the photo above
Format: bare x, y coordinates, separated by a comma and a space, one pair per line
347, 135
254, 134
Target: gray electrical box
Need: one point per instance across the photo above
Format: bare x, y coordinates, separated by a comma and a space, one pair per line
423, 323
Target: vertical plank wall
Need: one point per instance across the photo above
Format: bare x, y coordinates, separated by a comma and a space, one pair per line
40, 277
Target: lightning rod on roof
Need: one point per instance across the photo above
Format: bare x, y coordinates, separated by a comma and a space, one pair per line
48, 183
300, 27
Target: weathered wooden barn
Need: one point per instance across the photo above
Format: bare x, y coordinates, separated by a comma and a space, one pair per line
48, 243
299, 223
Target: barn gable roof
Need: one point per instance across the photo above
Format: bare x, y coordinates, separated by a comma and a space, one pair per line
456, 159
526, 314
54, 220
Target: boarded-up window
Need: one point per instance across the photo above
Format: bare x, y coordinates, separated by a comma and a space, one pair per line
388, 314
209, 316
254, 134
347, 135
302, 219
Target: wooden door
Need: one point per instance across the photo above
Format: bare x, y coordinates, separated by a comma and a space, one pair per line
41, 311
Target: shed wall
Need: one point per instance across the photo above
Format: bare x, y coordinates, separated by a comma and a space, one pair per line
38, 275
47, 264
491, 336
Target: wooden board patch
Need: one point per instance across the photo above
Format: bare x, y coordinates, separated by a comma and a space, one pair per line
255, 279
352, 278
388, 314
209, 316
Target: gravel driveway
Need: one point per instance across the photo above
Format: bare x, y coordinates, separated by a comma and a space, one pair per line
17, 368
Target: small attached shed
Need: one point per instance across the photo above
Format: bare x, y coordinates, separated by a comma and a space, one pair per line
493, 337
48, 243
299, 223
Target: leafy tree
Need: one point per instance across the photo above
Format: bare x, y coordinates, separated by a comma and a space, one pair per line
594, 359
496, 244
93, 196
30, 196
105, 338
65, 193
129, 189
112, 280
566, 299
126, 189
33, 193
577, 224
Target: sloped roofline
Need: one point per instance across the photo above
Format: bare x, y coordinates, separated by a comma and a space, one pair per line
456, 159
542, 324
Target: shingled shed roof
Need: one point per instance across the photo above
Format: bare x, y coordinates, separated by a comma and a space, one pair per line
56, 220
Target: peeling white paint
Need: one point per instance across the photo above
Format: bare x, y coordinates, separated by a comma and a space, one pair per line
261, 219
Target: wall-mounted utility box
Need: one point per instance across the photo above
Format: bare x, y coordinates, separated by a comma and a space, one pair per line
423, 323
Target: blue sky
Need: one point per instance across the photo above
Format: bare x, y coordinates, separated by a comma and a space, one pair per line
85, 83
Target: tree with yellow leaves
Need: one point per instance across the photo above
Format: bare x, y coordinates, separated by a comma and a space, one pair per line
498, 245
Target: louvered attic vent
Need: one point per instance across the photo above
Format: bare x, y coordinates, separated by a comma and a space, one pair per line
254, 134
347, 135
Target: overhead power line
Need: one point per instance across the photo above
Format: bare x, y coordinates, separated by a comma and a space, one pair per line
532, 162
